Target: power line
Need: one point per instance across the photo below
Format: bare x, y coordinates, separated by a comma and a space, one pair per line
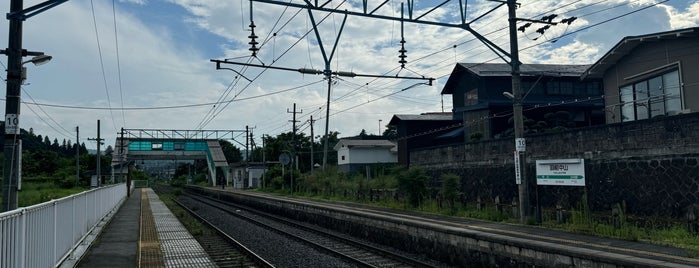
104, 75
165, 107
47, 114
116, 43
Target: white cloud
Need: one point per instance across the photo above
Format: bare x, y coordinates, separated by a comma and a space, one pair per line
683, 19
139, 2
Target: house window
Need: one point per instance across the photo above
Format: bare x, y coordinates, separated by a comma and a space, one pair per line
471, 97
343, 157
553, 88
533, 88
566, 88
656, 96
593, 88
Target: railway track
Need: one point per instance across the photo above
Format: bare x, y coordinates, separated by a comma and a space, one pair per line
224, 250
352, 250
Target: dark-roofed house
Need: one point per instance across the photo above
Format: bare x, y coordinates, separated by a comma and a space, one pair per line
356, 155
554, 96
424, 130
650, 75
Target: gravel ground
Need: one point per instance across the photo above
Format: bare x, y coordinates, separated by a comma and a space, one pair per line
277, 249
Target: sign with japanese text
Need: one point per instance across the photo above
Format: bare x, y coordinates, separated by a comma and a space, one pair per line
565, 172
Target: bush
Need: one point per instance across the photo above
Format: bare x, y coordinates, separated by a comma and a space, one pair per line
413, 184
451, 184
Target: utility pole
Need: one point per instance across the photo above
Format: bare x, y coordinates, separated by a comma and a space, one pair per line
523, 187
264, 160
293, 144
122, 160
77, 156
312, 144
12, 149
13, 140
247, 155
99, 155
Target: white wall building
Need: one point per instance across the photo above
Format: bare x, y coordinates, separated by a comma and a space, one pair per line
355, 155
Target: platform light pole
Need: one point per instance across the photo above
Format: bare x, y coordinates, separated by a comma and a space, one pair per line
13, 143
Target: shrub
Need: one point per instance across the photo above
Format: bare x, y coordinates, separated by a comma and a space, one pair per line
451, 184
413, 184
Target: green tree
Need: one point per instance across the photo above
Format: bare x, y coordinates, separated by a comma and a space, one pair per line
413, 184
232, 153
391, 132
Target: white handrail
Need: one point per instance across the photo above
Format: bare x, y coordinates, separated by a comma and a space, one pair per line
42, 235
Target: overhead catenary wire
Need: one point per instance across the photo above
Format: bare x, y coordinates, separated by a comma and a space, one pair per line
168, 107
576, 31
214, 115
118, 60
104, 75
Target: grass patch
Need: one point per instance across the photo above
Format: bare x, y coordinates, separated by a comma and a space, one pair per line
33, 193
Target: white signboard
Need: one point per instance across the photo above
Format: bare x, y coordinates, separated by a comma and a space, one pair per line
565, 172
518, 174
11, 124
520, 145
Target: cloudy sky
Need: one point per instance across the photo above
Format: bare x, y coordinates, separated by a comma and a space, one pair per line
144, 64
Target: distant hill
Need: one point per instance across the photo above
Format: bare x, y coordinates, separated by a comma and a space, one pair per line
36, 142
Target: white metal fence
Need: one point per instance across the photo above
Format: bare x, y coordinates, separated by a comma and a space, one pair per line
42, 235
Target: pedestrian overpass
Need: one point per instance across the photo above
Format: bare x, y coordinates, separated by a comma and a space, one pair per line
134, 145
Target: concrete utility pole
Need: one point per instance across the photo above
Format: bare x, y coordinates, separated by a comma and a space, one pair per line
294, 158
99, 155
312, 144
12, 149
523, 187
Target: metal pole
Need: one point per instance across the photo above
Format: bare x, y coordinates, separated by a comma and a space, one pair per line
523, 188
77, 156
312, 145
327, 121
99, 156
11, 172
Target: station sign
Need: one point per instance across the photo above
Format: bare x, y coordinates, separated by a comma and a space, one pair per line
564, 172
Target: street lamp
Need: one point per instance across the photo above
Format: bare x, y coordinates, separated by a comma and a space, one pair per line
13, 143
39, 60
13, 146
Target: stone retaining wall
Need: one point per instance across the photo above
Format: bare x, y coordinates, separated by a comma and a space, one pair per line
650, 166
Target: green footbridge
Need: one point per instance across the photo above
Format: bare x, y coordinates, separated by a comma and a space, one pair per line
151, 144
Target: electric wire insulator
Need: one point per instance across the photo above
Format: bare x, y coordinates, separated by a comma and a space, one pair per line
402, 55
253, 43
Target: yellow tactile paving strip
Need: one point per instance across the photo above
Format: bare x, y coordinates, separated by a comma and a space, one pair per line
149, 252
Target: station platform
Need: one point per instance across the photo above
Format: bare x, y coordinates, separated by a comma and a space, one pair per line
145, 233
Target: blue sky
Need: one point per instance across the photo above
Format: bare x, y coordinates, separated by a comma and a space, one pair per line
164, 49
